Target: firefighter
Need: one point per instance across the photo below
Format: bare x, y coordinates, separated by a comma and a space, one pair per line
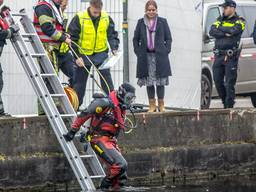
107, 120
49, 24
92, 30
227, 31
6, 32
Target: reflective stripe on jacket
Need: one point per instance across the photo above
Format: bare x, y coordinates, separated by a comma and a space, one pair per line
54, 38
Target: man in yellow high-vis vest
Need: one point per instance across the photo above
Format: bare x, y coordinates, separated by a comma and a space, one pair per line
93, 30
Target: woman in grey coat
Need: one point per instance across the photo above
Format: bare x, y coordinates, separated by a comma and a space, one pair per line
152, 44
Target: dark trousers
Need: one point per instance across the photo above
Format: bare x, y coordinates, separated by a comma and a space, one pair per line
225, 76
107, 149
81, 75
67, 65
160, 90
1, 85
1, 89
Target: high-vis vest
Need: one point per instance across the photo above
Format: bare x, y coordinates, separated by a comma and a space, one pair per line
92, 41
59, 28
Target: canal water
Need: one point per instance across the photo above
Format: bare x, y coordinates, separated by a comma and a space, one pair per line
234, 185
237, 184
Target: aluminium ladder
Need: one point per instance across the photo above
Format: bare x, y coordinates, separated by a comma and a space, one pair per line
32, 54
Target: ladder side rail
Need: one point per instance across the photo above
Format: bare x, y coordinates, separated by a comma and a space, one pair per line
55, 120
74, 158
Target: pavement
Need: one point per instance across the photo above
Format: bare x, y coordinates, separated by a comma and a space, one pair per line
244, 102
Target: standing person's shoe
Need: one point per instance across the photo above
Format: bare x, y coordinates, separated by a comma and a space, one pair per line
152, 105
161, 105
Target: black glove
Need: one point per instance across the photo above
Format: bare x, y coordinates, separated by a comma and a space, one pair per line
83, 138
14, 28
70, 135
10, 34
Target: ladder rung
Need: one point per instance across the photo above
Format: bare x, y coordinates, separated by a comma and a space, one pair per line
36, 55
28, 34
68, 115
58, 95
97, 176
48, 75
87, 156
19, 14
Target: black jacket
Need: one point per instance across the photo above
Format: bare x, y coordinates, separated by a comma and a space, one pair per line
74, 30
235, 29
47, 28
163, 43
254, 33
3, 37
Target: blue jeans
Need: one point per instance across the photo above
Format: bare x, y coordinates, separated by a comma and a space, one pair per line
81, 75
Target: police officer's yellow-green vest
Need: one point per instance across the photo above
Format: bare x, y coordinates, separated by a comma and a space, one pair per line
91, 41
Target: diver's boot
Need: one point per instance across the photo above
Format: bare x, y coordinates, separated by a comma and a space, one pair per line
106, 184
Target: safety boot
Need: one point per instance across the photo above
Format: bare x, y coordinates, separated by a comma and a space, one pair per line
40, 109
161, 107
106, 184
152, 106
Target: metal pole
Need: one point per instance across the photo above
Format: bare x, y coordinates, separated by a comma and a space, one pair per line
126, 41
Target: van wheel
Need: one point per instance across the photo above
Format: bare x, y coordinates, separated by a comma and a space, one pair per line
253, 99
206, 92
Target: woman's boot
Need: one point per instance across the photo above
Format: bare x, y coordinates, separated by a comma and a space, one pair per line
152, 105
161, 105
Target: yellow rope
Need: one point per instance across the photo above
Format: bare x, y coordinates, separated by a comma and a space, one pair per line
73, 51
97, 70
129, 121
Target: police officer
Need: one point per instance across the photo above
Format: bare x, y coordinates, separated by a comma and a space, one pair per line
227, 31
6, 32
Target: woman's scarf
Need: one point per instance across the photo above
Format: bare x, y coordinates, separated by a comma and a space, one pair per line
151, 30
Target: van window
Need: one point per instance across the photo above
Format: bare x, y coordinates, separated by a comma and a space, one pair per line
241, 12
250, 17
213, 14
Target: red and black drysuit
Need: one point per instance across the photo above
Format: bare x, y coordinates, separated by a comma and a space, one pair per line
105, 127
